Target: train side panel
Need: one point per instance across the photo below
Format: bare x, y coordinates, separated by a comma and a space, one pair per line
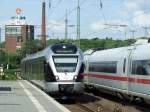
125, 70
107, 70
34, 71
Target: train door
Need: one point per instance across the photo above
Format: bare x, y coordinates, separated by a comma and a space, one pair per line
124, 84
86, 70
129, 68
123, 70
138, 80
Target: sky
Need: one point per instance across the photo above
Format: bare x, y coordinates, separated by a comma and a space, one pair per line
99, 18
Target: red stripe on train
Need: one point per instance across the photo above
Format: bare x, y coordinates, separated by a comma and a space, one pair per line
133, 80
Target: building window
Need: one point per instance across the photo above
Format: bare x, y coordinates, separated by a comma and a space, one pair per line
19, 39
106, 67
141, 67
13, 30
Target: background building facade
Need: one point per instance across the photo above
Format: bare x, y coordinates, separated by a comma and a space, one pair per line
17, 32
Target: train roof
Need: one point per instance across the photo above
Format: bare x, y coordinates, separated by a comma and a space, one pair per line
137, 43
141, 51
41, 53
54, 47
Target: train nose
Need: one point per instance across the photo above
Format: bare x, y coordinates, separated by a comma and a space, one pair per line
66, 88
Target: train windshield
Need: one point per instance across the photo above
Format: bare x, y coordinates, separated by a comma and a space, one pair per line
65, 64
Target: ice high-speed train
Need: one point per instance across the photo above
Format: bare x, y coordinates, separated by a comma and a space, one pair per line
123, 71
56, 69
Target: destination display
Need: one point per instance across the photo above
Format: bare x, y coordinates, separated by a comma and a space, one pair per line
64, 49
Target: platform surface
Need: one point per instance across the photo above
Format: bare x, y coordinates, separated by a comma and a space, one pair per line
22, 96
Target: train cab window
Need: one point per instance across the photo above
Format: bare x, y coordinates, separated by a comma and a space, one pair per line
65, 63
106, 67
141, 67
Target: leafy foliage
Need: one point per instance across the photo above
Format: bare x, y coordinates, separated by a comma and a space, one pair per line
9, 75
33, 46
29, 47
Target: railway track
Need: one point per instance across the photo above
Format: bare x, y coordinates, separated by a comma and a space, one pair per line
90, 103
85, 107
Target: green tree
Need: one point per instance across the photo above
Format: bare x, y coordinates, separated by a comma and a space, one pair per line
29, 47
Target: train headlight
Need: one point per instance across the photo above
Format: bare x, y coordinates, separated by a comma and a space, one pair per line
75, 77
56, 77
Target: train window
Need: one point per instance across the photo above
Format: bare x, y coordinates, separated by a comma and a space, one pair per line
65, 63
141, 67
107, 67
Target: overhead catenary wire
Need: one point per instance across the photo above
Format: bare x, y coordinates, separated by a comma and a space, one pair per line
68, 13
74, 9
50, 6
101, 7
71, 11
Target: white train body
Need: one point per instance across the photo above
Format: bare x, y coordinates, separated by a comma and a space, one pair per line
124, 70
56, 69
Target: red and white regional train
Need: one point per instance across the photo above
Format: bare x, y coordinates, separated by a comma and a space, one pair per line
121, 71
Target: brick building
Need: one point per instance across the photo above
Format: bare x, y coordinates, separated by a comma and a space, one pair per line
16, 33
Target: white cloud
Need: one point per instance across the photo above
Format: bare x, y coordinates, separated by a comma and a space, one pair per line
141, 18
135, 9
133, 5
56, 26
3, 23
97, 26
113, 25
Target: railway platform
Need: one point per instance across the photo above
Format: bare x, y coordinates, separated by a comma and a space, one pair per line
22, 96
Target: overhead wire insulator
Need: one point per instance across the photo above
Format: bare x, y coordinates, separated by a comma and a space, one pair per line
101, 4
50, 3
